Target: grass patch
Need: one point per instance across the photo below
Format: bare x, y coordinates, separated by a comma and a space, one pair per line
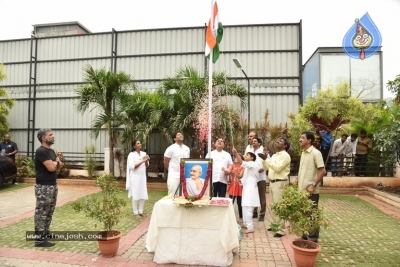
66, 219
360, 234
11, 187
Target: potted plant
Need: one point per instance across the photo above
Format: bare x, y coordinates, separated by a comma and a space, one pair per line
300, 217
107, 210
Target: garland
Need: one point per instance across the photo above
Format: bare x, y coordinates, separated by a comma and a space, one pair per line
192, 198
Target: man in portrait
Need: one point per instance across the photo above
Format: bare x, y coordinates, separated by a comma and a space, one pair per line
195, 184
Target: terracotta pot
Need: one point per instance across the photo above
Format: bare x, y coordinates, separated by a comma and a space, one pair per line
108, 246
305, 257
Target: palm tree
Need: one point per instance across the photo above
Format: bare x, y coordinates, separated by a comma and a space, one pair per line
105, 90
177, 104
187, 94
144, 113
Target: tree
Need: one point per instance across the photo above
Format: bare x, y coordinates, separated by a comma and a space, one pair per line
269, 133
387, 134
106, 91
298, 124
180, 103
394, 87
144, 113
189, 100
336, 102
5, 104
330, 104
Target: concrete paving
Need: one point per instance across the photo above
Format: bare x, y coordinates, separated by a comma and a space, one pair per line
256, 249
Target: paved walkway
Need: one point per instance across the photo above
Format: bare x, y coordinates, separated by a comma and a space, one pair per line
257, 249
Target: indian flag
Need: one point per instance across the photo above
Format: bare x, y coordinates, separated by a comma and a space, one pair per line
214, 34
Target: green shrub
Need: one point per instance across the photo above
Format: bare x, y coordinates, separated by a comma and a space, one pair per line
297, 209
90, 161
107, 209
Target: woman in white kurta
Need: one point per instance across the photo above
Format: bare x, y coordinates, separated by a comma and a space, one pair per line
250, 198
136, 179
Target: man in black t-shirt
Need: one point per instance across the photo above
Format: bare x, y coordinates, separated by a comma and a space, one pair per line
46, 164
9, 149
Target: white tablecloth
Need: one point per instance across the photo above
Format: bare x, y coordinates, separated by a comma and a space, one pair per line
199, 236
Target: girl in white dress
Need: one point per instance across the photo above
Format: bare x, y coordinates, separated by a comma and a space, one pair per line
250, 198
136, 179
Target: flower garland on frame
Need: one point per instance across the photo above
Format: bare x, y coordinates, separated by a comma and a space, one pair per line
192, 198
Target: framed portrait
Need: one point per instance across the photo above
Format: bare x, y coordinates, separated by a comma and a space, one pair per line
195, 171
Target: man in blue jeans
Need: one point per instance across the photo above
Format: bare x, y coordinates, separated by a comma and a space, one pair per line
326, 139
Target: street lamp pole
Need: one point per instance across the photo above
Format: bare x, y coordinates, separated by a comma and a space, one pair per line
237, 63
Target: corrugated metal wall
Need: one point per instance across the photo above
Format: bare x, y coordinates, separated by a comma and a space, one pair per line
270, 56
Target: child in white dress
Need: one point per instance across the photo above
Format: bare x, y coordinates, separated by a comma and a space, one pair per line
250, 198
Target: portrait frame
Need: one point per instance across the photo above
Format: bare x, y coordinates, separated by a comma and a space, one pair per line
189, 164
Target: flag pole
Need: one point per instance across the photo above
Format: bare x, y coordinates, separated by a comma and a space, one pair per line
210, 84
209, 102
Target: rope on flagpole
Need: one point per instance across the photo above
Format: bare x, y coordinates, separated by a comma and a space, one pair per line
231, 133
229, 110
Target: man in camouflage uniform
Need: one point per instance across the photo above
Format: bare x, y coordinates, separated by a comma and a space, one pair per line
46, 164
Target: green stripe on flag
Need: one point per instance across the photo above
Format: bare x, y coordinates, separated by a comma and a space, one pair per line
220, 33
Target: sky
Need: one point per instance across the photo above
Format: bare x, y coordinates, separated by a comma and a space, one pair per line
325, 22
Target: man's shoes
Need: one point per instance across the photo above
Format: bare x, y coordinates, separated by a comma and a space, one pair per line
269, 230
15, 183
261, 219
278, 235
255, 215
45, 244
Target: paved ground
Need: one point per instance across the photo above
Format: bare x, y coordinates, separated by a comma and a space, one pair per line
257, 249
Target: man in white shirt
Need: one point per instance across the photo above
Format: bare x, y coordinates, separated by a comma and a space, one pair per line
337, 154
350, 152
172, 157
222, 164
249, 147
261, 179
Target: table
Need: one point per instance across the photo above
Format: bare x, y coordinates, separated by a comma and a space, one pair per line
200, 236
